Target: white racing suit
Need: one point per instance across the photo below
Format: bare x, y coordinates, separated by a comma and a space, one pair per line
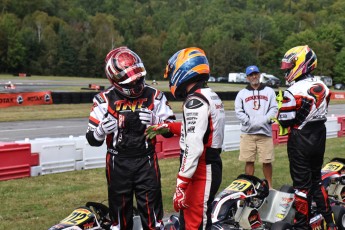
131, 163
304, 110
201, 141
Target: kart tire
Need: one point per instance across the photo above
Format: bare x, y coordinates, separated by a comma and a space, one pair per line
281, 225
287, 188
169, 226
339, 216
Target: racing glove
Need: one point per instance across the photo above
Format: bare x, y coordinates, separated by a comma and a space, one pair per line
108, 125
147, 117
282, 130
179, 199
163, 128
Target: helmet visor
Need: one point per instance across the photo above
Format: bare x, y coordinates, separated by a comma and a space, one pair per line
287, 65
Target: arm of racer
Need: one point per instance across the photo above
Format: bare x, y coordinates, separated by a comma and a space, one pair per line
196, 120
97, 114
287, 113
166, 116
162, 108
195, 125
164, 129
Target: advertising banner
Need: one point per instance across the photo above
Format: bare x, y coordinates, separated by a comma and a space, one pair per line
337, 95
24, 99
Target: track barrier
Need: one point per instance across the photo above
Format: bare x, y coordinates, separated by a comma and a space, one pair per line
16, 160
43, 156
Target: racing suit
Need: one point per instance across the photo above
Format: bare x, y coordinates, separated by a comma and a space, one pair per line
304, 110
131, 163
201, 141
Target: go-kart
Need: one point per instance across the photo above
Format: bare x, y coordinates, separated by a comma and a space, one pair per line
333, 178
247, 203
92, 216
95, 216
236, 207
283, 218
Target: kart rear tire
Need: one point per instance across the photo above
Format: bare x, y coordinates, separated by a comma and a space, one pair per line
169, 226
287, 188
339, 216
281, 225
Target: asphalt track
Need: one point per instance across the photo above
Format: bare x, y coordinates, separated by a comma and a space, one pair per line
15, 131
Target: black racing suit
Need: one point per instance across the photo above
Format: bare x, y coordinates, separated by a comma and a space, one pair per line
131, 163
304, 110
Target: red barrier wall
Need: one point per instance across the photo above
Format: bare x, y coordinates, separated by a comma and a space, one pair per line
275, 135
168, 147
337, 95
341, 121
16, 160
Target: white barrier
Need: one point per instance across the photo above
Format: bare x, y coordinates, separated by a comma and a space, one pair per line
65, 154
332, 127
231, 137
55, 155
93, 157
74, 153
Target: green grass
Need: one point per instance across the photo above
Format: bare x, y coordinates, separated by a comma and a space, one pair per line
40, 202
60, 111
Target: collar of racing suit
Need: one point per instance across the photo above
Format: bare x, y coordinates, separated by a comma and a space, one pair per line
198, 85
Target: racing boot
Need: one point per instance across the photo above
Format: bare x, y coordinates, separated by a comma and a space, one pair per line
302, 216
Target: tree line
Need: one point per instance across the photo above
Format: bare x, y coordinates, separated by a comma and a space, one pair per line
72, 37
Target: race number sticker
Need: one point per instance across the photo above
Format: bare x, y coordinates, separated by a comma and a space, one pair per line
332, 166
238, 185
77, 217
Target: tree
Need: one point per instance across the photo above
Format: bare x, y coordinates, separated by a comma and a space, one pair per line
339, 68
11, 49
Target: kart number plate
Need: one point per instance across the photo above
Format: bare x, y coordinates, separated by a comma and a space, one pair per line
332, 166
77, 217
238, 185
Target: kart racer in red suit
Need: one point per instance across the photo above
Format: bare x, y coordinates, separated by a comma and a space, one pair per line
201, 140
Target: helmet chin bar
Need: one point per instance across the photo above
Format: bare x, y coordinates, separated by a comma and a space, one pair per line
131, 91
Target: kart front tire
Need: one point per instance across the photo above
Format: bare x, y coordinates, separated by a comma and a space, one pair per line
281, 225
339, 216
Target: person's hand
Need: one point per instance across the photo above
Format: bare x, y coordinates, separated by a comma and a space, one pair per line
107, 126
163, 128
147, 117
155, 130
179, 199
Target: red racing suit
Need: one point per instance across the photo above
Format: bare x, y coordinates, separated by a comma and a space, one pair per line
202, 134
131, 163
304, 110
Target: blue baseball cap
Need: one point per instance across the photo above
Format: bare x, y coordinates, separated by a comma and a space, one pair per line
252, 69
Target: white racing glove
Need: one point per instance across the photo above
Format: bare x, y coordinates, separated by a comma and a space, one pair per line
147, 117
108, 125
